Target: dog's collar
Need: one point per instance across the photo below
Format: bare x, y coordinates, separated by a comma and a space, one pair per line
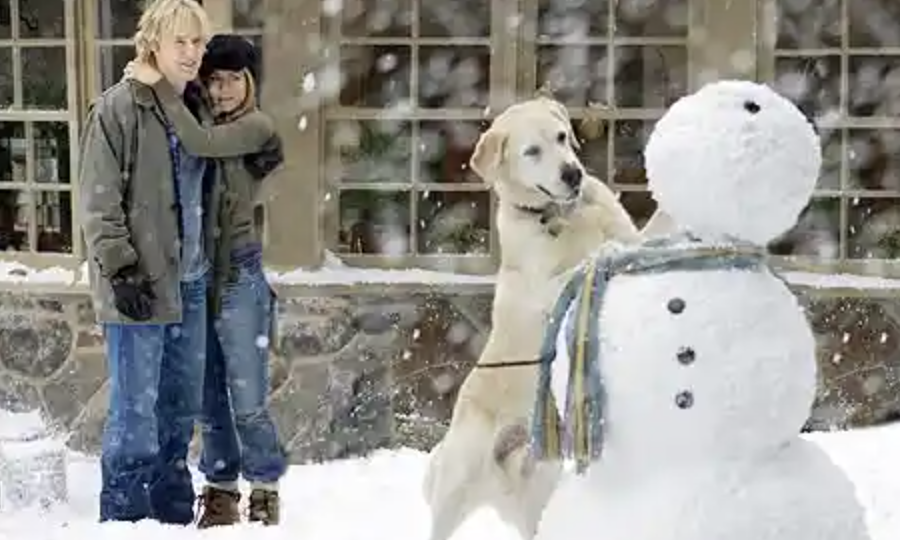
544, 214
535, 210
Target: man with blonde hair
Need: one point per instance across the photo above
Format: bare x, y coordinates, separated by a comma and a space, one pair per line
149, 213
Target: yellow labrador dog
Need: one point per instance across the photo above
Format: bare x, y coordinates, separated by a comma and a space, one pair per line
551, 216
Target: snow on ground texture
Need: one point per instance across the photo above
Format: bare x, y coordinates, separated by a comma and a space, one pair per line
380, 499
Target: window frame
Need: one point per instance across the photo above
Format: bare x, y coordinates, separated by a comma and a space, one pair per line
502, 43
768, 54
28, 117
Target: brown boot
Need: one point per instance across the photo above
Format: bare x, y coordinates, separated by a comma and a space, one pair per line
218, 507
264, 506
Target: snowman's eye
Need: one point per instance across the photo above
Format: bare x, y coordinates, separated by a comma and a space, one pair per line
751, 107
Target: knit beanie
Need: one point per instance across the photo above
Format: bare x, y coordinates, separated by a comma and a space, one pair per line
230, 52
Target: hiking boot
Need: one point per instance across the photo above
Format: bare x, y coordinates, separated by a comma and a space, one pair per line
218, 507
264, 507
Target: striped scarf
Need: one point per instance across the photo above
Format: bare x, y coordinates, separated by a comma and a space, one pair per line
578, 433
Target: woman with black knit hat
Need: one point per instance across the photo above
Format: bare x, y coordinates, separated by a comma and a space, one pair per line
239, 436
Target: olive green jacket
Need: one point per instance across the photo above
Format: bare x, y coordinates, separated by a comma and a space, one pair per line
129, 212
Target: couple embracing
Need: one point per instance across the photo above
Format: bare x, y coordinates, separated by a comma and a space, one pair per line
172, 161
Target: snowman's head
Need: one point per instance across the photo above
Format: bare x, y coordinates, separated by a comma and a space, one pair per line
733, 159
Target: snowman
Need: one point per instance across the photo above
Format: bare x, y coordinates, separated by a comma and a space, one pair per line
684, 369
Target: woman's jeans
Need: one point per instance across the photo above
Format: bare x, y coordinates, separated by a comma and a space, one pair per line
239, 436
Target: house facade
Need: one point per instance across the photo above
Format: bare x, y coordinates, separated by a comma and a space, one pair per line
379, 104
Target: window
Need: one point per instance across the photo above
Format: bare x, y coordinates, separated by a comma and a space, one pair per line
412, 91
617, 65
416, 84
840, 63
37, 123
115, 25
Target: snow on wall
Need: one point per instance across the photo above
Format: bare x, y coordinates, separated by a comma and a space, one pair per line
334, 273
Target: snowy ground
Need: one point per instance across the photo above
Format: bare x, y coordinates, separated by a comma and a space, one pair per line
378, 499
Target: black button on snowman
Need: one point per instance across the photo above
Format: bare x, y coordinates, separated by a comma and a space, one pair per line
685, 356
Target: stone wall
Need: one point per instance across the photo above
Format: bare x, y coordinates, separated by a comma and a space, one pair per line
370, 367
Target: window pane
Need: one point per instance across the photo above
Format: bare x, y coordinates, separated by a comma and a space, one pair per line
51, 152
445, 149
54, 221
630, 138
374, 222
454, 77
572, 19
817, 233
14, 214
112, 61
873, 228
656, 18
650, 77
813, 84
874, 24
456, 222
365, 18
117, 18
12, 152
640, 206
462, 18
832, 154
369, 151
375, 76
42, 18
874, 159
6, 78
873, 86
577, 75
5, 21
248, 14
44, 78
592, 136
802, 27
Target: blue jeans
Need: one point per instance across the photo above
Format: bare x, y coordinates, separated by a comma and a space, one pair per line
155, 379
239, 436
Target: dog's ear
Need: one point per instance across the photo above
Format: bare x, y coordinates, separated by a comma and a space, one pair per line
488, 152
562, 114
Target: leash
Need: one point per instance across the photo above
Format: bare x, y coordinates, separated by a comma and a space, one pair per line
515, 363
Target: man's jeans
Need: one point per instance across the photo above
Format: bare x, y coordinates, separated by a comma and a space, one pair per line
239, 436
155, 381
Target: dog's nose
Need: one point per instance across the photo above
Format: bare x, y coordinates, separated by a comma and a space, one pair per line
571, 176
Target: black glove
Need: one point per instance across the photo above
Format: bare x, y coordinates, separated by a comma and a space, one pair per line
269, 158
133, 293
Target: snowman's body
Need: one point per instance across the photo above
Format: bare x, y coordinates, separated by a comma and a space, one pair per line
703, 412
704, 377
